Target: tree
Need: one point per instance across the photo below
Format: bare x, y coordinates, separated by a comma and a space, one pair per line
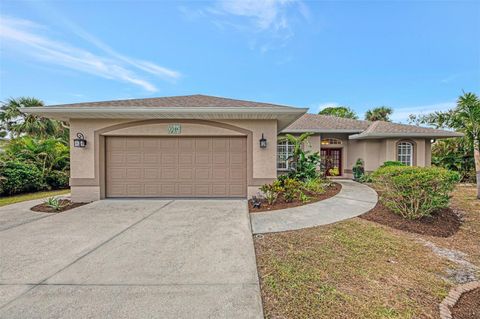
339, 111
465, 118
17, 123
381, 113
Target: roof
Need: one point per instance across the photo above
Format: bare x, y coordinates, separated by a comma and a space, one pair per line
197, 100
198, 106
363, 129
326, 123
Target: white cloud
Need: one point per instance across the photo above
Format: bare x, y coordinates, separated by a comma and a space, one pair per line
268, 23
401, 114
27, 37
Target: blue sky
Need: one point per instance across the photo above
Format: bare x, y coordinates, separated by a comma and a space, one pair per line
415, 56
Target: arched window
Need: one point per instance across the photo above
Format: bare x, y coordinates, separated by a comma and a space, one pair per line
405, 152
331, 141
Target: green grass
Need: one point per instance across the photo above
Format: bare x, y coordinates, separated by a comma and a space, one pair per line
29, 196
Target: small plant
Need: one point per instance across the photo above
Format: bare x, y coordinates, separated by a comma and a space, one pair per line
334, 171
291, 189
415, 192
271, 191
314, 186
304, 197
358, 170
54, 203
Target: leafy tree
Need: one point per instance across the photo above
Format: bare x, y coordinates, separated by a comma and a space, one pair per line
339, 111
17, 123
465, 118
381, 113
48, 155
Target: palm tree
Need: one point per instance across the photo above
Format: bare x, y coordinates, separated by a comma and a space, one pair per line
17, 123
381, 113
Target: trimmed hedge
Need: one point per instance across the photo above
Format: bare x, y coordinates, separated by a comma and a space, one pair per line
414, 192
20, 177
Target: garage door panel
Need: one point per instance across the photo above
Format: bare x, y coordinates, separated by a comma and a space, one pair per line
203, 158
176, 166
170, 173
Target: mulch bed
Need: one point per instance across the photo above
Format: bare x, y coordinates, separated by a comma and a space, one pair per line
468, 306
443, 223
331, 191
65, 203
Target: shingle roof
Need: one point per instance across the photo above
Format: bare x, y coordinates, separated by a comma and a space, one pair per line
326, 123
388, 129
365, 129
197, 100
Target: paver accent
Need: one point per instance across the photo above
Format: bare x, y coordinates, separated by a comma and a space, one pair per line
354, 199
453, 296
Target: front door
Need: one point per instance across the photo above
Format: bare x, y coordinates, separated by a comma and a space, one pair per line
331, 161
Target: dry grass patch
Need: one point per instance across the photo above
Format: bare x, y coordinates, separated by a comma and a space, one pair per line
467, 239
7, 200
354, 269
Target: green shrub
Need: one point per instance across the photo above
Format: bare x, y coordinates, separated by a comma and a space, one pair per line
414, 192
315, 185
57, 179
305, 167
271, 191
304, 197
392, 163
18, 177
358, 170
291, 189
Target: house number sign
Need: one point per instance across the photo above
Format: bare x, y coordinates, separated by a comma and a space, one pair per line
174, 129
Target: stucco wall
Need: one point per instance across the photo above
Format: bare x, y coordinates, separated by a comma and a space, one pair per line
376, 151
87, 163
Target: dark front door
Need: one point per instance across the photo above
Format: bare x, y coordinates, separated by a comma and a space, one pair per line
331, 160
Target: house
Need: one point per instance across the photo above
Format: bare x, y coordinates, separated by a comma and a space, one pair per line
205, 146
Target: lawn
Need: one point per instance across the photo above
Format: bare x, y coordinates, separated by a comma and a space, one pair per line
361, 269
24, 197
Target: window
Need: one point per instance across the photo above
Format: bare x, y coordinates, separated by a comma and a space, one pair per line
405, 153
331, 141
284, 151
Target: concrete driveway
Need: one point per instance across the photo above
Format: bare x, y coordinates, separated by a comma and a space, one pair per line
129, 259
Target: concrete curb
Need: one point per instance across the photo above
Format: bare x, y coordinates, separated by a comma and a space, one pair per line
453, 296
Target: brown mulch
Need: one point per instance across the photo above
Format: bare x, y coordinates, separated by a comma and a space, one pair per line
331, 191
468, 306
443, 223
65, 203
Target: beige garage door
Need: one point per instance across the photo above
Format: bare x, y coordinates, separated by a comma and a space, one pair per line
176, 166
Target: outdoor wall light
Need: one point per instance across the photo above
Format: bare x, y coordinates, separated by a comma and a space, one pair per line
263, 142
80, 141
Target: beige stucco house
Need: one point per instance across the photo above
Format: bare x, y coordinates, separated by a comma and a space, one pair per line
205, 146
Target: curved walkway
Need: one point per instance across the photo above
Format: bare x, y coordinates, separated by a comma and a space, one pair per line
354, 199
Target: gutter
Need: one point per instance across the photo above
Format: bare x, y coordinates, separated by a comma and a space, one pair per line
386, 135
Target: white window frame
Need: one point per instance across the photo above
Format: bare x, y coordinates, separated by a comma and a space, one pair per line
284, 151
405, 151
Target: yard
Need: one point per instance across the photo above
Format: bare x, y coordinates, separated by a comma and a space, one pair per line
7, 200
361, 269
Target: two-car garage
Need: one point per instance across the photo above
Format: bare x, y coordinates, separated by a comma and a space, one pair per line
175, 166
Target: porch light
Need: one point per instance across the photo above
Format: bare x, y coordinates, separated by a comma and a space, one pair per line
80, 141
263, 142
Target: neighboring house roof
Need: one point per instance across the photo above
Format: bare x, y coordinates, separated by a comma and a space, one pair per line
175, 107
364, 129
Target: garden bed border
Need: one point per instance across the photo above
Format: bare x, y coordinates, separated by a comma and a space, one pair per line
453, 297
